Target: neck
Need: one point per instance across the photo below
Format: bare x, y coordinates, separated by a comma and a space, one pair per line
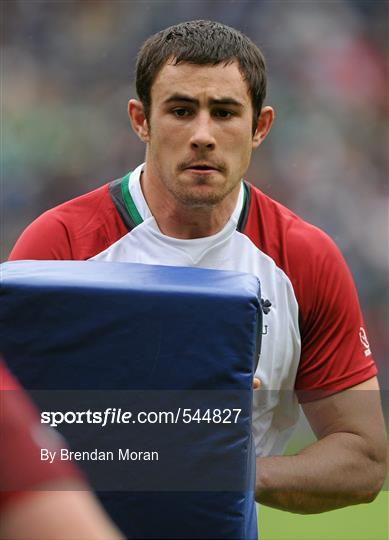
183, 221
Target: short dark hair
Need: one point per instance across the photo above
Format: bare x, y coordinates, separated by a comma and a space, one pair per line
201, 42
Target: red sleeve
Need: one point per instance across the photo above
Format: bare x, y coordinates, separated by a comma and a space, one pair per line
22, 436
75, 230
45, 239
335, 353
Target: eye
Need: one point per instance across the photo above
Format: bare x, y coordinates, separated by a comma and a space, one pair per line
223, 113
181, 112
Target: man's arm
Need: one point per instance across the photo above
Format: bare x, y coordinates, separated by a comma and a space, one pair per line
347, 465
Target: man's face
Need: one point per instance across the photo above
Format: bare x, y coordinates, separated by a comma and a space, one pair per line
200, 131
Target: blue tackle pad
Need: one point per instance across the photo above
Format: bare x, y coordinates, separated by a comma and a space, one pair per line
174, 348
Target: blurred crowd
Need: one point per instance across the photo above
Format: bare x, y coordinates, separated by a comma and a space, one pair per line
67, 72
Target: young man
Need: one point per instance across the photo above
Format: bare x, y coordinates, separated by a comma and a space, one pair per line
200, 112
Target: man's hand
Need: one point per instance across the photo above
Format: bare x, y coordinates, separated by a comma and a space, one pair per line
256, 383
347, 465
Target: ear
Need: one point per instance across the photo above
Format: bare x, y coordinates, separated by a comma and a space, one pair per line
265, 121
138, 120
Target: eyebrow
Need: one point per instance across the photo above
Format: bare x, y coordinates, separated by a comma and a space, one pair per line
213, 101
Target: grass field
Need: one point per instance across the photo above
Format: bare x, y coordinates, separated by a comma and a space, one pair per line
360, 522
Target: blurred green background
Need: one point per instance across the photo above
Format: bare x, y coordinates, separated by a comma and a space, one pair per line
362, 522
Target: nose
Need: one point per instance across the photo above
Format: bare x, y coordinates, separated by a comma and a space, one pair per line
202, 137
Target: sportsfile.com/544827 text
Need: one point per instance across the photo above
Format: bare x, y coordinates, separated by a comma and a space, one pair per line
119, 416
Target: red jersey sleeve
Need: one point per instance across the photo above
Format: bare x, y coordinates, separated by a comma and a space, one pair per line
75, 230
335, 353
22, 436
47, 238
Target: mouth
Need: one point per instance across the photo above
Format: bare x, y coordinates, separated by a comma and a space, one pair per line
202, 168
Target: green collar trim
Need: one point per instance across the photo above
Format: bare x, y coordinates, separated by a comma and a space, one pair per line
129, 201
244, 197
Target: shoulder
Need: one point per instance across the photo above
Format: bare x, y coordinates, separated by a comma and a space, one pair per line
305, 253
333, 354
299, 248
76, 229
